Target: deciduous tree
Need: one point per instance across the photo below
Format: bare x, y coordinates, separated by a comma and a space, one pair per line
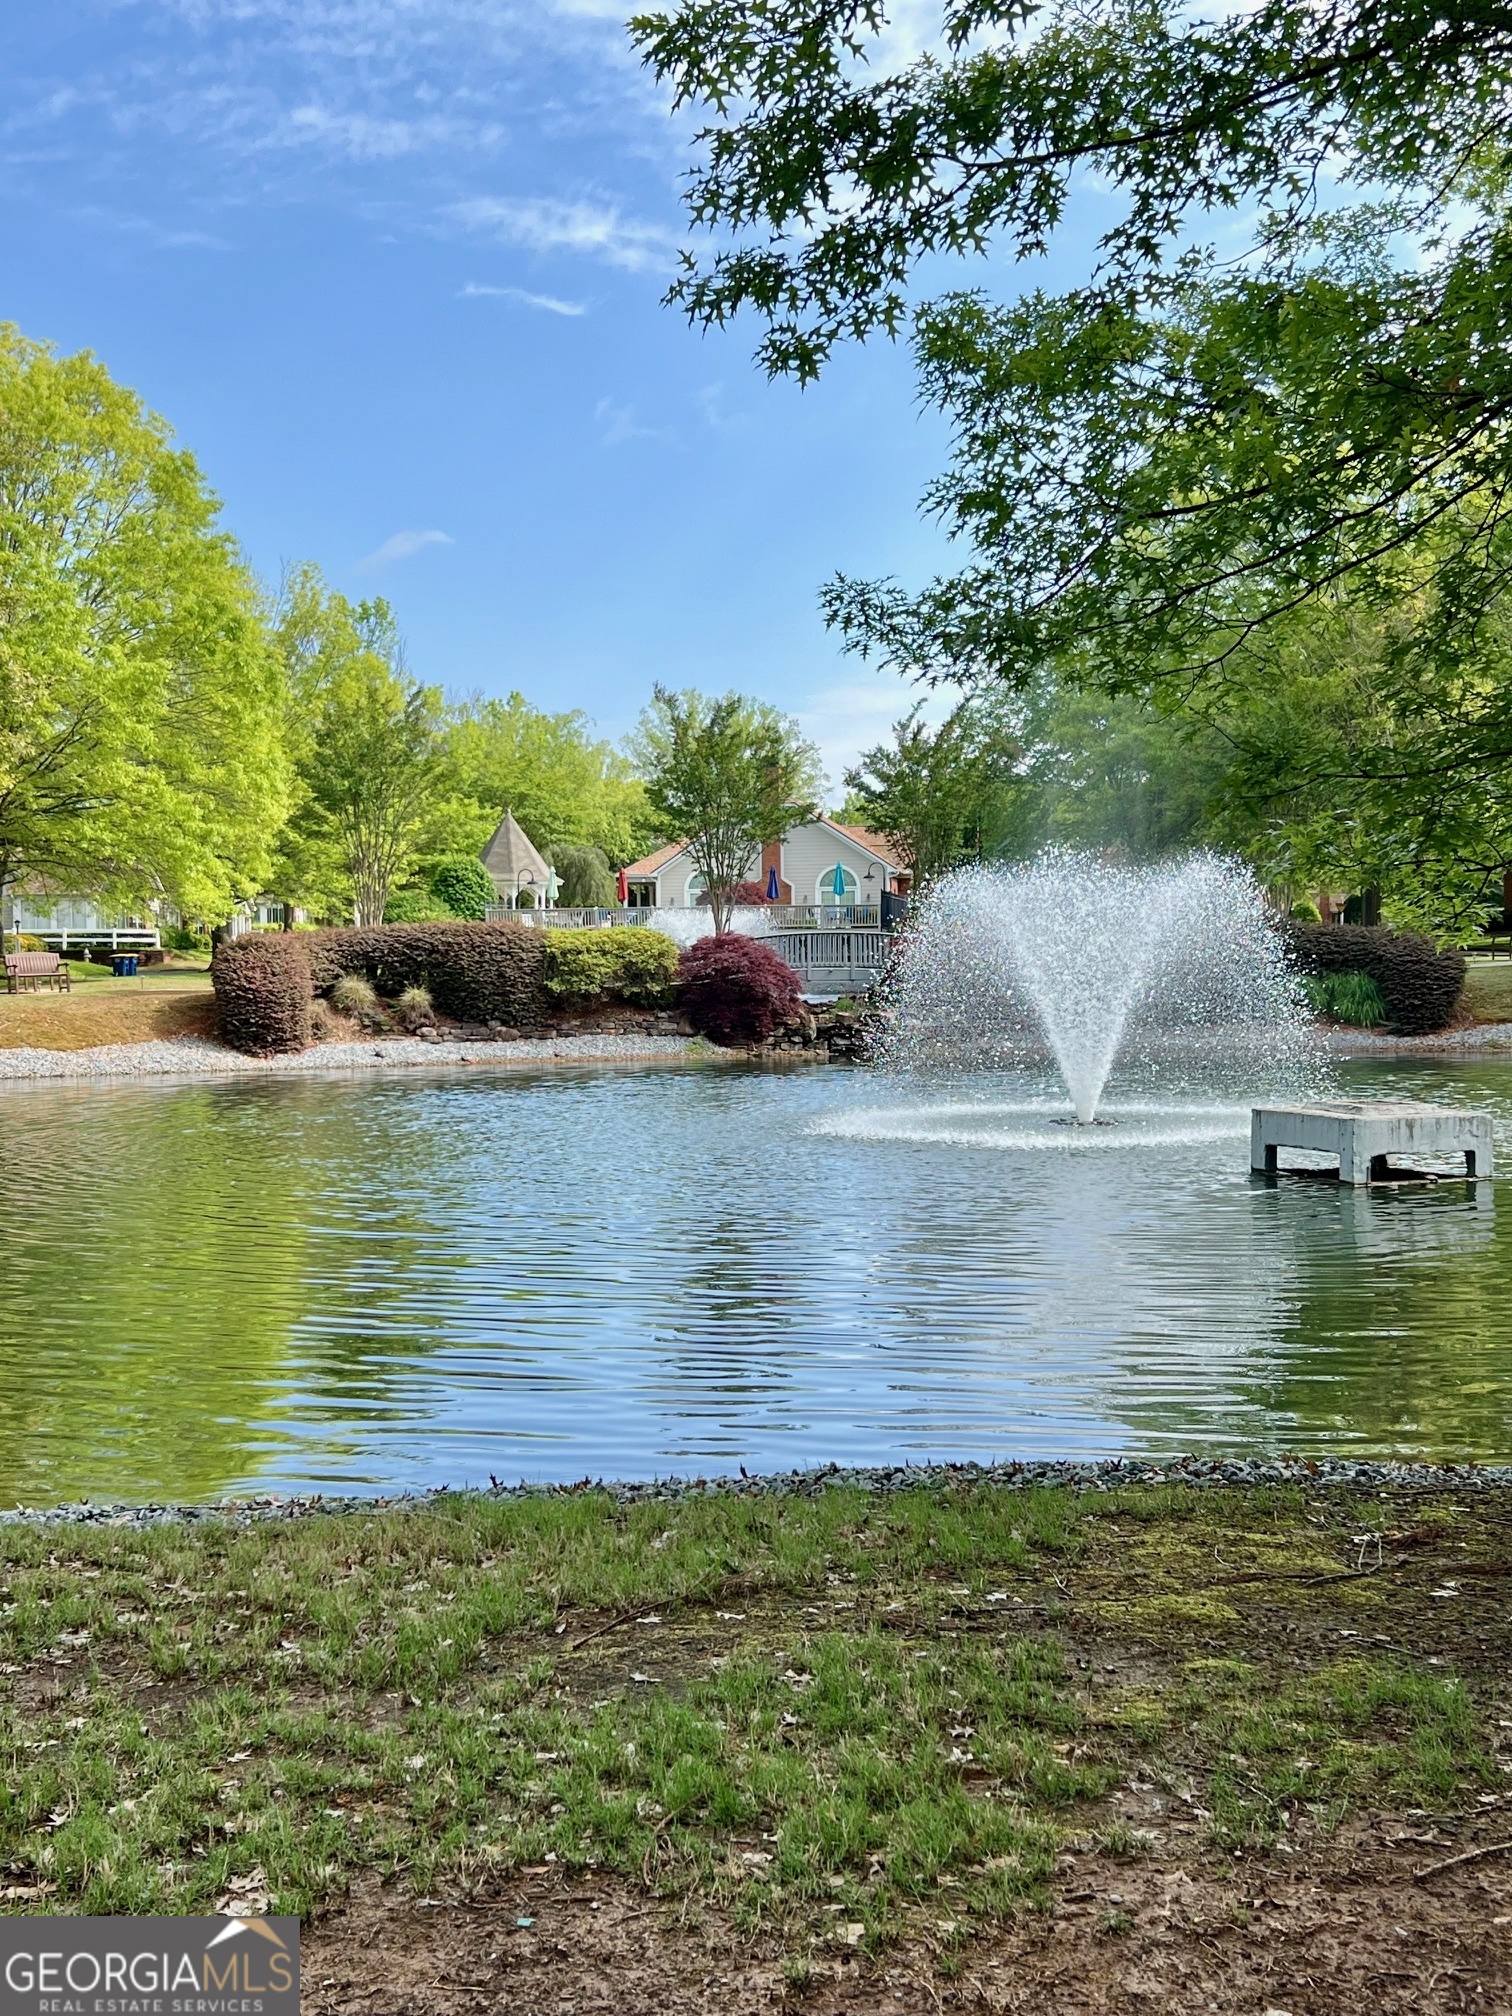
141, 701
1158, 467
726, 776
943, 794
368, 749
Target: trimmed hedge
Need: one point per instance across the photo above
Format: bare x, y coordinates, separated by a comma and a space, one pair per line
1420, 985
735, 990
634, 964
474, 972
262, 991
505, 973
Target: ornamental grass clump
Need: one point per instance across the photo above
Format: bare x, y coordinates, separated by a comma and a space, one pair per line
352, 995
1346, 997
414, 1009
736, 991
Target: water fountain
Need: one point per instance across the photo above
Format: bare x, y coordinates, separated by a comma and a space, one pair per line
1172, 970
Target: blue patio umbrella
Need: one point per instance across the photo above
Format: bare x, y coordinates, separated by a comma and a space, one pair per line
773, 892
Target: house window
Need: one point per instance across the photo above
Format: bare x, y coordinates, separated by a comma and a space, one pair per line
845, 893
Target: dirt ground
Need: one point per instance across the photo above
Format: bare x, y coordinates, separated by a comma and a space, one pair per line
1345, 1931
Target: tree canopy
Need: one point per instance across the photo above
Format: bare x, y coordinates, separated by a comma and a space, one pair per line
566, 786
945, 794
366, 738
140, 699
1280, 388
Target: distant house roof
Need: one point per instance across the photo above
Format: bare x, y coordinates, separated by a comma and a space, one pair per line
652, 864
509, 857
873, 843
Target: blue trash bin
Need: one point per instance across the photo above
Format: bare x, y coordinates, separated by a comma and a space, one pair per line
124, 965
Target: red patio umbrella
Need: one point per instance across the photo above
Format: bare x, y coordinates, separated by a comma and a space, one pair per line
622, 886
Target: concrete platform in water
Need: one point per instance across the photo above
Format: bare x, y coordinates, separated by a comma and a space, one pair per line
1368, 1134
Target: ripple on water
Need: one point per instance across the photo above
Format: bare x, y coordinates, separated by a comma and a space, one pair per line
427, 1278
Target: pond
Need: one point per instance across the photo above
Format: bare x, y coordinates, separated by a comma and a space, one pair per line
367, 1283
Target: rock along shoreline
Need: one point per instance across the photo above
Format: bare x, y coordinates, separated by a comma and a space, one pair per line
1319, 1473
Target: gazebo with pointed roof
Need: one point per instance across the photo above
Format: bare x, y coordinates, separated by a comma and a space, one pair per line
514, 863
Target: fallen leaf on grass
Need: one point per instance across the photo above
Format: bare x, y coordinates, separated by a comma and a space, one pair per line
245, 1896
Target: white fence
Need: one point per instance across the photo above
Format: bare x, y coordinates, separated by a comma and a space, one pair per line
565, 920
772, 917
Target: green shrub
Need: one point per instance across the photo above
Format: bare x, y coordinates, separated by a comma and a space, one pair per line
414, 1009
1345, 997
179, 938
1307, 913
414, 906
464, 885
263, 990
24, 941
586, 879
633, 964
1419, 984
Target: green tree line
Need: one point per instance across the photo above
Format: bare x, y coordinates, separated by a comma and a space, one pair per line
171, 730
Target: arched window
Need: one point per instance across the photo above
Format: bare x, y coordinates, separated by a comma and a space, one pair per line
845, 893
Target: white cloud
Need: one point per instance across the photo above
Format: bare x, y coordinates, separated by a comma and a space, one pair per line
549, 302
545, 224
844, 720
165, 236
619, 424
403, 546
360, 136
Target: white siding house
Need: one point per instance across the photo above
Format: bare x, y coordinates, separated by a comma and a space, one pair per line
62, 920
808, 860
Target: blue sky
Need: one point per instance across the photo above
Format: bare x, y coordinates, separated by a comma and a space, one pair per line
392, 270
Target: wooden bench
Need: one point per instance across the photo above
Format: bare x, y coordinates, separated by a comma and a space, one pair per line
28, 970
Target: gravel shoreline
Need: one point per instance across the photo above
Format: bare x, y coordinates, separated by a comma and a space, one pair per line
1321, 1473
198, 1057
1365, 1043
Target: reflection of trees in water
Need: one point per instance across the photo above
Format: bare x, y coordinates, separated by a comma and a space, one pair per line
151, 1261
197, 1273
1400, 1338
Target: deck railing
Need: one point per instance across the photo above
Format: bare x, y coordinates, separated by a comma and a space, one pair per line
765, 917
564, 920
856, 951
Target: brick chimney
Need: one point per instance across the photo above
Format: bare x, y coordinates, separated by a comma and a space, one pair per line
771, 857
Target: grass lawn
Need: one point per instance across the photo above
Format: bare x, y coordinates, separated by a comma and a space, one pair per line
848, 1732
171, 1000
1488, 989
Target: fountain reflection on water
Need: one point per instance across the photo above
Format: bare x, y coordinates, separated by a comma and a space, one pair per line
1172, 972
